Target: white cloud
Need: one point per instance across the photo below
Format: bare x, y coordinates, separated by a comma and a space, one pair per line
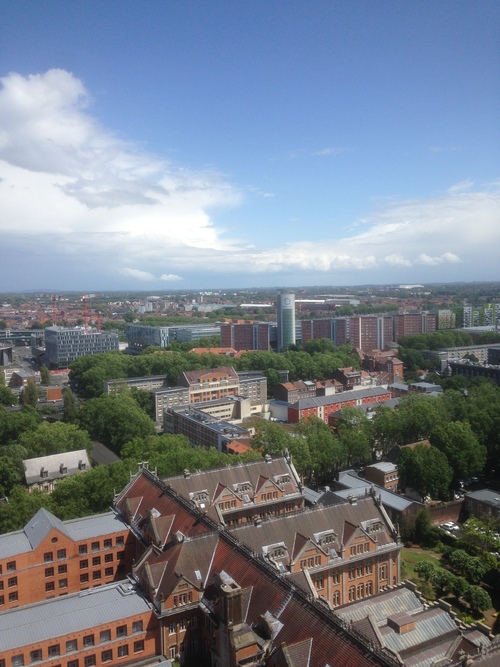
397, 260
71, 190
139, 275
170, 277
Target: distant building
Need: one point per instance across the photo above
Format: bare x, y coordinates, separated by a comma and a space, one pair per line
43, 473
64, 345
471, 369
147, 383
246, 335
322, 406
482, 503
142, 335
285, 311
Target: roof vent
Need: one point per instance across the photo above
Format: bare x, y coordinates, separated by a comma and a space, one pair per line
187, 474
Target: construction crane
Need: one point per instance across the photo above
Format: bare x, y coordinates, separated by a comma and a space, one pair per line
85, 300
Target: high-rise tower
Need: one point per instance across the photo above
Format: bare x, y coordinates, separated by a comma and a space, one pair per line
285, 312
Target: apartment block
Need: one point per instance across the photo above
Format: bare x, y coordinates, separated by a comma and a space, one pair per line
246, 335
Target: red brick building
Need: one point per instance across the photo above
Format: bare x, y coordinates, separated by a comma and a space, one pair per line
323, 406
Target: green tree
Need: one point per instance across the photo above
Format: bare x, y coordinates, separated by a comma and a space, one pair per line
318, 454
12, 424
44, 375
30, 394
478, 598
7, 396
353, 429
114, 420
55, 438
70, 406
460, 446
426, 470
11, 474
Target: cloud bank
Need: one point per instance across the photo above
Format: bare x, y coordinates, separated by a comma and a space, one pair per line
72, 190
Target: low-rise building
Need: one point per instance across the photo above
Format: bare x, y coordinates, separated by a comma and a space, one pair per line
383, 474
482, 503
322, 406
43, 472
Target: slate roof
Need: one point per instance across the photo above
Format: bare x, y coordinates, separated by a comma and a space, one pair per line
57, 466
318, 401
69, 614
37, 529
192, 377
146, 495
255, 473
296, 530
434, 634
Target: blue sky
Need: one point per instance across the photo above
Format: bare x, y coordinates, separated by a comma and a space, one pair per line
200, 144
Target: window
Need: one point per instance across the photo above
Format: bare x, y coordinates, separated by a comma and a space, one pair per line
71, 645
83, 564
63, 583
61, 553
108, 544
12, 582
62, 569
320, 584
139, 646
352, 594
17, 660
336, 599
369, 588
95, 546
172, 652
84, 578
137, 626
11, 566
353, 551
96, 575
90, 661
105, 636
120, 541
49, 586
107, 656
351, 573
182, 624
1, 585
383, 572
360, 548
49, 571
2, 600
122, 651
336, 578
108, 572
36, 655
96, 560
82, 549
88, 640
13, 596
120, 555
368, 568
172, 627
121, 631
54, 650
194, 622
361, 591
72, 663
108, 558
48, 556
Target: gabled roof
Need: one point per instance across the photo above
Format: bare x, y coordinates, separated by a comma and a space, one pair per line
55, 466
37, 529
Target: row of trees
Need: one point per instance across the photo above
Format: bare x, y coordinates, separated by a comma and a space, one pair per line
317, 360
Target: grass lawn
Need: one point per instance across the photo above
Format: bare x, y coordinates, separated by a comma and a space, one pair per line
410, 557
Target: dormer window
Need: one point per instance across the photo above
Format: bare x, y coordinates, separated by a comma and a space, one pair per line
82, 465
63, 469
43, 472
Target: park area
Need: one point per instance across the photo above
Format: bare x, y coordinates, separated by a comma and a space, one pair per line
470, 584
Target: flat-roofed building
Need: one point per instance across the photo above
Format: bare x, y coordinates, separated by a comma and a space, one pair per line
64, 345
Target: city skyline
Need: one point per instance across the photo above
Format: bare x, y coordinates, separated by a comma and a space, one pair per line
216, 145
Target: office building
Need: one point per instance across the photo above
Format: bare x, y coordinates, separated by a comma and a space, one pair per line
64, 345
285, 312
